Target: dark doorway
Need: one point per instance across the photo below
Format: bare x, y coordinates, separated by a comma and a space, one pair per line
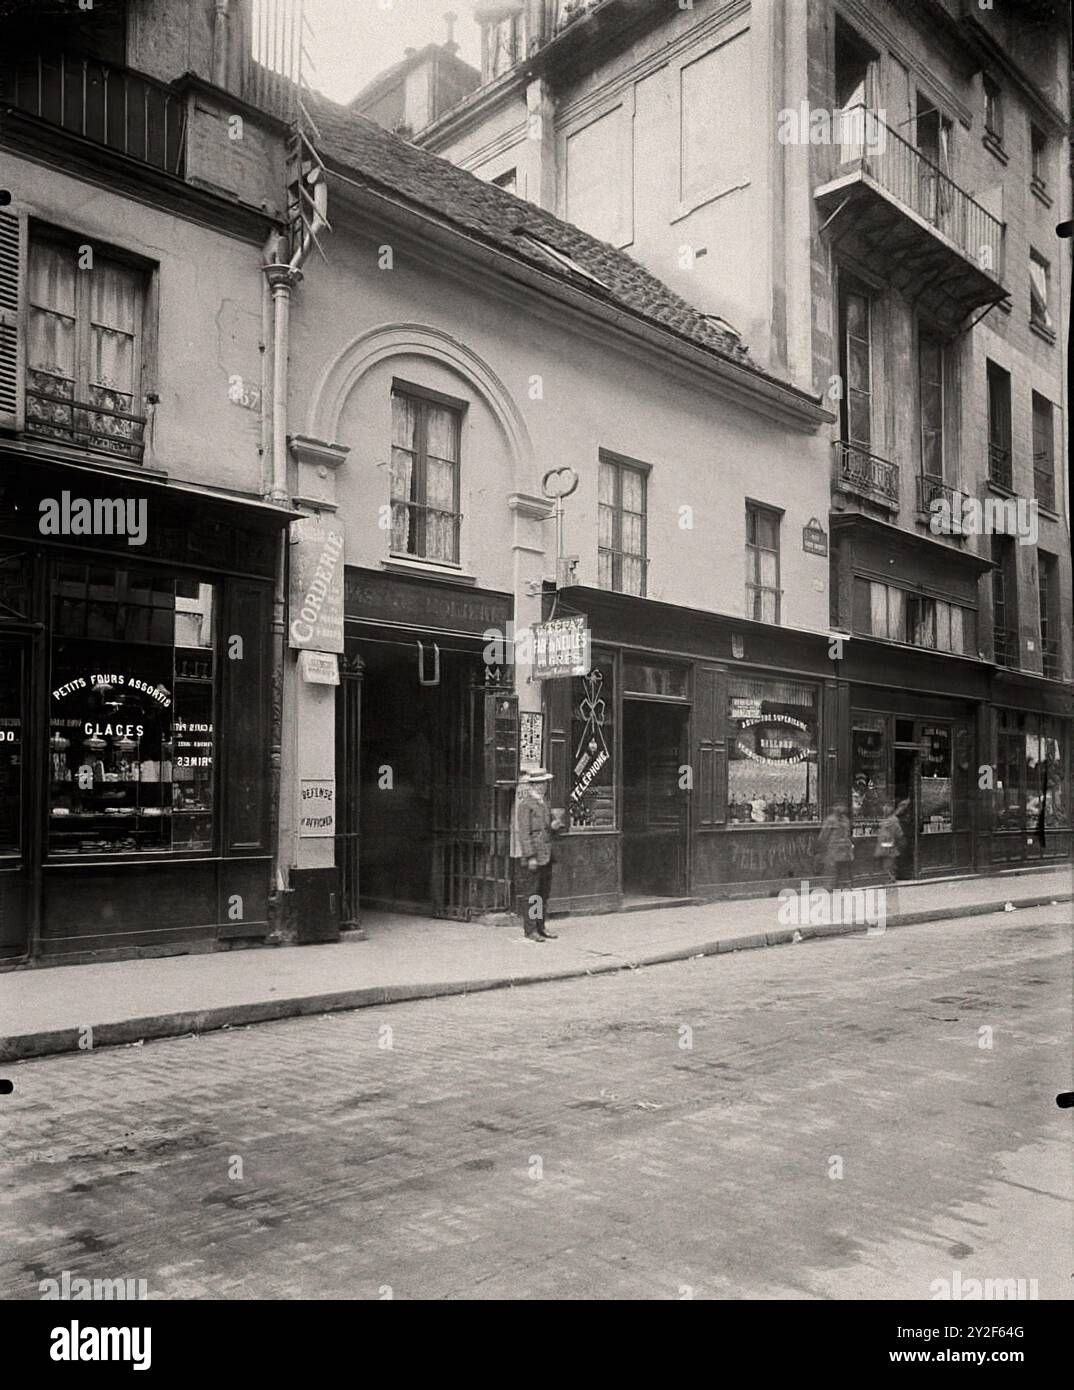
434, 832
654, 803
904, 778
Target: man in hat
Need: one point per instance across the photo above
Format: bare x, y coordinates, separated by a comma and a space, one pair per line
533, 849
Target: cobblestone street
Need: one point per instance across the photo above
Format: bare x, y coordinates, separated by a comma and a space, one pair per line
670, 1132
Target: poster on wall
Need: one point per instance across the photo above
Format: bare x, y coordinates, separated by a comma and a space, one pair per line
531, 740
317, 808
315, 612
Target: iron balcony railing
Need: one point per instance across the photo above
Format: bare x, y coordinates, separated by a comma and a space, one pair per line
1005, 643
100, 425
999, 465
1050, 660
874, 477
929, 489
922, 186
116, 107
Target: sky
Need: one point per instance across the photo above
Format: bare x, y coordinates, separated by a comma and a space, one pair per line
353, 40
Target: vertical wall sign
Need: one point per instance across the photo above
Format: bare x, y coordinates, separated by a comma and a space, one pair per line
315, 615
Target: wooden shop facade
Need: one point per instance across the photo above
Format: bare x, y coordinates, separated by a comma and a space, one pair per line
135, 714
699, 756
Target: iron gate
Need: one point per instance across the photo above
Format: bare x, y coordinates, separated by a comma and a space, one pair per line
474, 798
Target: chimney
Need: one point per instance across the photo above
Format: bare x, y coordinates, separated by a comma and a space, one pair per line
450, 20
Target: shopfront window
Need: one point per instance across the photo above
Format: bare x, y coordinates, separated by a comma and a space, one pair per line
935, 808
869, 773
592, 768
1010, 771
131, 713
772, 752
1046, 780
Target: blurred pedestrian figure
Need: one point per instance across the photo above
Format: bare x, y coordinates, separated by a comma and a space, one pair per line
890, 841
836, 848
532, 846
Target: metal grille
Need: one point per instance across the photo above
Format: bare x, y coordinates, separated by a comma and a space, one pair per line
472, 826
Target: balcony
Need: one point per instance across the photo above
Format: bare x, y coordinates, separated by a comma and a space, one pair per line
1005, 645
930, 489
867, 475
895, 210
115, 107
1050, 663
101, 425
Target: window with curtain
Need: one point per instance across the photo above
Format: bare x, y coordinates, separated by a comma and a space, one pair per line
621, 526
84, 345
425, 477
762, 563
1040, 314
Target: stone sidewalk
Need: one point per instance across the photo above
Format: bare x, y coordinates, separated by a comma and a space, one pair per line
48, 1010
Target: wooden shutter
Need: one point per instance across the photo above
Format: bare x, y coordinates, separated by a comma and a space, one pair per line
710, 747
12, 279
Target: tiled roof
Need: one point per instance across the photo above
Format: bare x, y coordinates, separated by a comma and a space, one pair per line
383, 162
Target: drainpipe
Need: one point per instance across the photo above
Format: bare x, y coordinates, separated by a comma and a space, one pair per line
220, 28
280, 278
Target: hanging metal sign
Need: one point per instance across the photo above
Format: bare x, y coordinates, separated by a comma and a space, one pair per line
561, 647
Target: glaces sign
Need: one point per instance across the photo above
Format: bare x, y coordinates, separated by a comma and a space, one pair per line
561, 648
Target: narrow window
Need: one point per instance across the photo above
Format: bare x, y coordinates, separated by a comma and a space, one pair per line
1043, 452
621, 526
425, 478
857, 371
1004, 601
1038, 142
1048, 594
935, 190
855, 83
993, 111
999, 426
762, 563
931, 403
1039, 291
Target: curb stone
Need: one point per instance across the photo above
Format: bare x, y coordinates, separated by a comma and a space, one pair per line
26, 1046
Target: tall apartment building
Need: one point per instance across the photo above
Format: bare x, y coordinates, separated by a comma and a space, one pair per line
143, 170
870, 192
